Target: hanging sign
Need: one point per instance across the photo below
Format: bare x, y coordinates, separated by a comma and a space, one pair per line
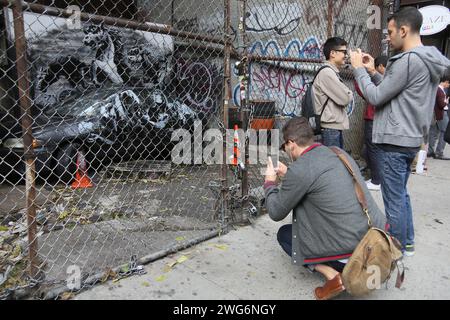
435, 19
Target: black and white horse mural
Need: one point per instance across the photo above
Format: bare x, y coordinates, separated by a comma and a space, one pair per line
110, 54
66, 62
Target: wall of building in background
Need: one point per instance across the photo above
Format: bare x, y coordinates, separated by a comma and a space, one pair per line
281, 28
440, 40
286, 29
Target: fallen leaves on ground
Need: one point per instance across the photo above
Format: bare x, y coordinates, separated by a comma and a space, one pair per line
223, 247
67, 296
161, 278
168, 267
182, 259
108, 275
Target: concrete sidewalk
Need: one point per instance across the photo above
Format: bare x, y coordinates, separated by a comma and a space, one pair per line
249, 264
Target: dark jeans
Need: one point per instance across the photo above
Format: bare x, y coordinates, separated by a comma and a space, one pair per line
437, 133
332, 138
372, 152
395, 171
284, 237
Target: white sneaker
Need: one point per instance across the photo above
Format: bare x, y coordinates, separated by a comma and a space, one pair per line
373, 187
409, 252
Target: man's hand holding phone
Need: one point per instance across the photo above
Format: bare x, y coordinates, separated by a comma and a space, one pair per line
273, 172
282, 169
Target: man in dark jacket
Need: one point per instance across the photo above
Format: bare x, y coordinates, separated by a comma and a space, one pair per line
374, 184
440, 121
404, 100
328, 221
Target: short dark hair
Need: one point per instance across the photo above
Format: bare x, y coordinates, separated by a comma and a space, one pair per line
299, 131
332, 44
446, 76
381, 61
408, 16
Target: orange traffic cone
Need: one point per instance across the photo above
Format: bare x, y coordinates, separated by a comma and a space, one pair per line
81, 178
236, 154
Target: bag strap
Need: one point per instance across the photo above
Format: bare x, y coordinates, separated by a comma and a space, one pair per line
363, 202
358, 188
312, 87
318, 71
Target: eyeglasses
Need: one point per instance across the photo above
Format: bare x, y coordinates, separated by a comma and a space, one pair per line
283, 146
342, 50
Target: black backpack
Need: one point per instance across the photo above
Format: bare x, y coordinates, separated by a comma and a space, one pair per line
308, 110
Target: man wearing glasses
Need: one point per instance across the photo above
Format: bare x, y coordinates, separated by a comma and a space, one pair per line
327, 220
331, 95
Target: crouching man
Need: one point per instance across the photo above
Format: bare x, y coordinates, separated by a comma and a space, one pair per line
328, 221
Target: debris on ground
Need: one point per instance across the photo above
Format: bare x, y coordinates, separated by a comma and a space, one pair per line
13, 251
223, 247
65, 209
67, 296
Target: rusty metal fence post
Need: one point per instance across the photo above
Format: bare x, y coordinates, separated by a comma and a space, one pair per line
330, 19
27, 122
244, 108
226, 105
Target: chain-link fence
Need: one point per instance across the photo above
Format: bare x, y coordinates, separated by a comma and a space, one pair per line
283, 45
106, 111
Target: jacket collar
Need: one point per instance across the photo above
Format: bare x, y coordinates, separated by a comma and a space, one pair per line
401, 54
332, 66
315, 145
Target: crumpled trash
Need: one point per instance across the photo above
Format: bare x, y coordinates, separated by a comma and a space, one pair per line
18, 228
4, 276
41, 217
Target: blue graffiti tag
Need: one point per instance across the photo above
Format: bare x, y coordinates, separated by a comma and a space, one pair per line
292, 91
310, 49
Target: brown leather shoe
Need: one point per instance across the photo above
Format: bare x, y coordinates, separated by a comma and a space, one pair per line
331, 289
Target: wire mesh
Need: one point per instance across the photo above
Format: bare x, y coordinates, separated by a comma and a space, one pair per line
284, 43
122, 95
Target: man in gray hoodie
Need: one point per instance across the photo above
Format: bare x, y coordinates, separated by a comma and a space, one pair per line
405, 99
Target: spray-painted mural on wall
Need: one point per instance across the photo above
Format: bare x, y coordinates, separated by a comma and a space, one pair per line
281, 18
68, 62
283, 83
272, 28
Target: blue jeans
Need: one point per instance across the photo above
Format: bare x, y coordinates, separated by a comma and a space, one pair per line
284, 238
395, 170
332, 138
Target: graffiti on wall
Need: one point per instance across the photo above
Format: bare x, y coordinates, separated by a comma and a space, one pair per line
310, 49
280, 18
72, 62
315, 19
282, 85
287, 88
197, 83
211, 24
355, 34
